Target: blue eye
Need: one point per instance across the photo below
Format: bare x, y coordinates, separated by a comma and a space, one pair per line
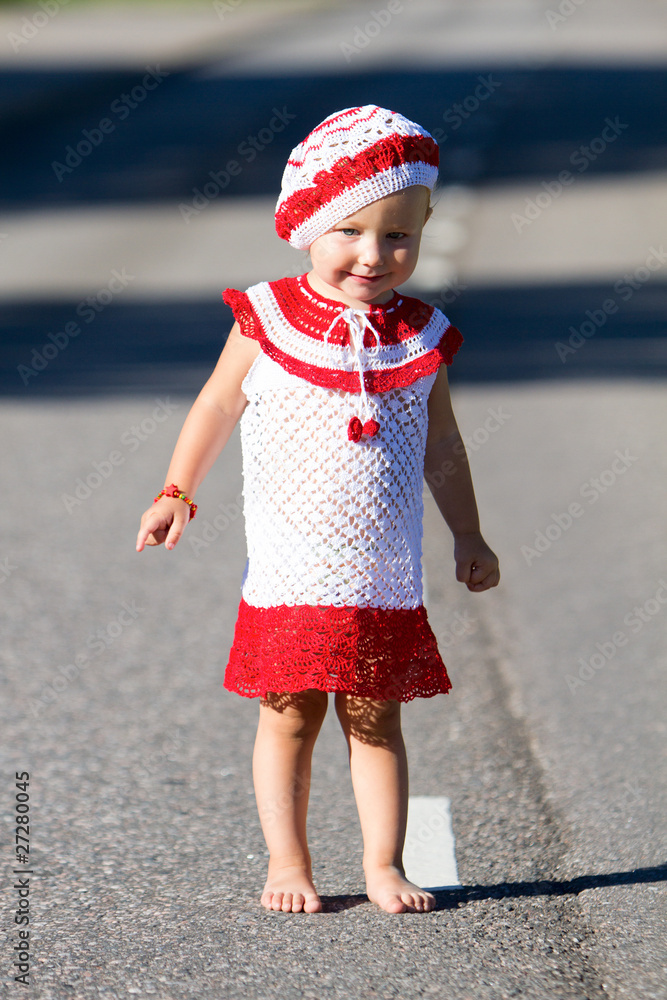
395, 236
347, 232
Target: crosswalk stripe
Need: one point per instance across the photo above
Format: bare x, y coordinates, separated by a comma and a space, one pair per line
429, 855
64, 253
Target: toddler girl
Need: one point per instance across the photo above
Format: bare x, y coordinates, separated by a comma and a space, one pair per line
340, 384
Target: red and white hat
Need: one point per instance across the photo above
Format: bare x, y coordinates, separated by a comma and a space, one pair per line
354, 157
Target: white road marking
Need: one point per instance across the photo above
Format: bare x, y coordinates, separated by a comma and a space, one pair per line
429, 856
65, 253
233, 39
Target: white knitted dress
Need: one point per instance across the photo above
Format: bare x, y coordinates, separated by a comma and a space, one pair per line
333, 475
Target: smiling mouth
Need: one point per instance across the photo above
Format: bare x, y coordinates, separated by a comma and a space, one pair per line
366, 277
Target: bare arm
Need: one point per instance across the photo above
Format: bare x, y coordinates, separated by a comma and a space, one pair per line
447, 473
205, 432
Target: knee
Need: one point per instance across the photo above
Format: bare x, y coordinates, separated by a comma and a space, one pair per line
298, 715
367, 720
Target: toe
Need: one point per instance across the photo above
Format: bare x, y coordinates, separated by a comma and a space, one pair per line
395, 904
425, 902
313, 904
277, 903
297, 902
287, 902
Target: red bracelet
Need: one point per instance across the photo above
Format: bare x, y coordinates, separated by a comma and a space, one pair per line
173, 491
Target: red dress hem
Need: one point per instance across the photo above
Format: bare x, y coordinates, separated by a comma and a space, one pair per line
378, 653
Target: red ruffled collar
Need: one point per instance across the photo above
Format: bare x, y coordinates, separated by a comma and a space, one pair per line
312, 314
336, 346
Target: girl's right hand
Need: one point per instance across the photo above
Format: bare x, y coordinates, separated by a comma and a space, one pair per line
164, 522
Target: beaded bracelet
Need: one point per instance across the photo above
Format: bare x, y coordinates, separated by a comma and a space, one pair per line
173, 491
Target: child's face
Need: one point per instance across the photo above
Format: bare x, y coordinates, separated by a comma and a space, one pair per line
365, 256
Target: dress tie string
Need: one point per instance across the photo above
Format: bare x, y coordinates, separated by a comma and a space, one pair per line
357, 324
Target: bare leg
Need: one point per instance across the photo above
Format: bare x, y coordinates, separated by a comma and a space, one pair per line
286, 734
379, 769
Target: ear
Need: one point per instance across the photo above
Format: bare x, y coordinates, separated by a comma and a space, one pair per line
429, 213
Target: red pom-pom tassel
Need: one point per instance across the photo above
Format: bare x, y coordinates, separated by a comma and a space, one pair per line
371, 427
355, 429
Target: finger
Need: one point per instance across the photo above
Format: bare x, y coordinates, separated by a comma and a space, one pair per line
148, 529
175, 532
470, 573
142, 539
491, 580
156, 538
463, 571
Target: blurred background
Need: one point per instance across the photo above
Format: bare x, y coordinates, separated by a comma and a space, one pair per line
518, 93
142, 150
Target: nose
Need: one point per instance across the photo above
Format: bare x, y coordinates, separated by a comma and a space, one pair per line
370, 252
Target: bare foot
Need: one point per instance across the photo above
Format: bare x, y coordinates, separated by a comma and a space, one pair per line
291, 890
390, 889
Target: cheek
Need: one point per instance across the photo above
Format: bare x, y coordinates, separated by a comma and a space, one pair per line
318, 250
403, 255
406, 254
324, 251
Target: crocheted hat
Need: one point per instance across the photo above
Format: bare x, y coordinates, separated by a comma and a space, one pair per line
354, 157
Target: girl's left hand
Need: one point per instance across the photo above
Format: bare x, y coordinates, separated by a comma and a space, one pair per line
476, 564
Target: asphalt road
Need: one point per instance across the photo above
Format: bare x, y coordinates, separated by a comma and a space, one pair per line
147, 851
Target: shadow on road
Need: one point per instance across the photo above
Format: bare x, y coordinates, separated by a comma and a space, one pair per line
510, 334
527, 123
449, 899
161, 148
